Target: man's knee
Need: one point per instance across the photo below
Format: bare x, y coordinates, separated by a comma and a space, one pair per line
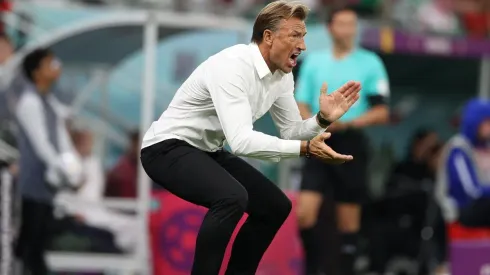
280, 210
230, 206
348, 217
308, 206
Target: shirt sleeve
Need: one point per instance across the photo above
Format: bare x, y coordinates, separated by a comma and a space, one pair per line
93, 188
377, 83
287, 119
305, 88
64, 113
30, 115
228, 86
463, 173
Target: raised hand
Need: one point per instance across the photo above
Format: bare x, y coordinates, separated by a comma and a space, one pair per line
336, 104
320, 150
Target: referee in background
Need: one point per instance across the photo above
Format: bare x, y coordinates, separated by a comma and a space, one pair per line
345, 184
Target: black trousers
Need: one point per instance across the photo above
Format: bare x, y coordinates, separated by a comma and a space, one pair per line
228, 187
34, 235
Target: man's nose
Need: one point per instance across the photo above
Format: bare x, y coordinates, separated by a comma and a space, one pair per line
302, 45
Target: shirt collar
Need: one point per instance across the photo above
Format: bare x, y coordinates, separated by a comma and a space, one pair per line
259, 62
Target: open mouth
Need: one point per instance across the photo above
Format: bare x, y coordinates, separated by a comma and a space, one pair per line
293, 59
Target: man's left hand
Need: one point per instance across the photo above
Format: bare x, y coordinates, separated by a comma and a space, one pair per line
336, 104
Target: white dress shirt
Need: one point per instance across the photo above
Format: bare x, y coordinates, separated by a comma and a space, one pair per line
222, 99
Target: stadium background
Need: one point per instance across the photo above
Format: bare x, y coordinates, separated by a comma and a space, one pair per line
435, 63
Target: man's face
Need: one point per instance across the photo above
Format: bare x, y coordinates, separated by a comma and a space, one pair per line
49, 69
434, 160
343, 28
484, 130
423, 146
286, 44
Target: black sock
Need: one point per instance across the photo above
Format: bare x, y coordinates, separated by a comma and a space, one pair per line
310, 250
348, 252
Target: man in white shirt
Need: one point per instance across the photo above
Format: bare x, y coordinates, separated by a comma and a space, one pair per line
47, 158
183, 150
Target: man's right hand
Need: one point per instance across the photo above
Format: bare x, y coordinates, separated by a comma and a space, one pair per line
322, 151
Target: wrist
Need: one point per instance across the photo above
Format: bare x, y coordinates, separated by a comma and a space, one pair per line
322, 121
304, 148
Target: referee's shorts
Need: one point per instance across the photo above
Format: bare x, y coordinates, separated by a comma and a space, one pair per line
346, 182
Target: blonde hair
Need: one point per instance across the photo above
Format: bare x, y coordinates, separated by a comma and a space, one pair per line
271, 16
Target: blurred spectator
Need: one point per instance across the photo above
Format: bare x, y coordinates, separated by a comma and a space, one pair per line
398, 218
122, 178
475, 16
434, 159
434, 16
438, 16
47, 160
438, 223
86, 203
462, 192
415, 166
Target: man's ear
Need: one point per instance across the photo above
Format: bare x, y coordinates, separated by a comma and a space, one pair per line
268, 37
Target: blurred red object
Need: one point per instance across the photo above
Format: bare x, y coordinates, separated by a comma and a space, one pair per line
477, 24
5, 5
457, 231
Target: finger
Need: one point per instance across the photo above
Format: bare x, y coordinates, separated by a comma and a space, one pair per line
346, 87
344, 157
325, 135
353, 100
324, 88
341, 157
335, 155
353, 90
333, 161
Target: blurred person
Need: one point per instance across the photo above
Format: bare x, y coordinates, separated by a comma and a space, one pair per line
121, 180
398, 217
435, 157
475, 16
438, 224
86, 203
415, 166
463, 193
438, 16
346, 183
48, 161
183, 150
